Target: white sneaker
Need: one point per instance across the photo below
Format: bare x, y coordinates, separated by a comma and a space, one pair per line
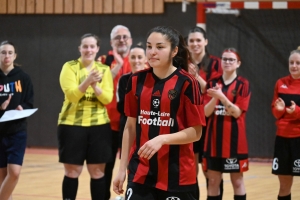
119, 198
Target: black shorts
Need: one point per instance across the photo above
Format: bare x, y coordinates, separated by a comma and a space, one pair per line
77, 144
286, 159
136, 191
225, 165
12, 149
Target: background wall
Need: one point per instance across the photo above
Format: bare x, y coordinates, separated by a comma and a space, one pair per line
263, 37
46, 42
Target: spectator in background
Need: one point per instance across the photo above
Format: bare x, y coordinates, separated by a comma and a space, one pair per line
226, 148
203, 67
137, 60
84, 132
286, 110
118, 60
18, 95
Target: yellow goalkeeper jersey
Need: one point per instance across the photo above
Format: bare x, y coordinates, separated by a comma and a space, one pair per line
84, 109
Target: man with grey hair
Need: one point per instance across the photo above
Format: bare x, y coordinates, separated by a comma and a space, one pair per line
117, 59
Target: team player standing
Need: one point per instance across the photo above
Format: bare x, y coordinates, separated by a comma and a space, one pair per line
204, 68
84, 132
160, 159
286, 109
226, 149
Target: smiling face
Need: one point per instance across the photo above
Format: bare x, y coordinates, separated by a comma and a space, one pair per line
230, 62
8, 55
196, 43
158, 51
121, 41
137, 59
294, 65
88, 49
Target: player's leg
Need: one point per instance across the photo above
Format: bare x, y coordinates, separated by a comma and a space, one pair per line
99, 152
72, 143
238, 185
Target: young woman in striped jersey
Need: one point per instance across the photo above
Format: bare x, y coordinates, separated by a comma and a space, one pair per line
165, 116
226, 148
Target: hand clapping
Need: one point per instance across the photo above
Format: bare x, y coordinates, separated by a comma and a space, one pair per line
94, 76
280, 105
215, 92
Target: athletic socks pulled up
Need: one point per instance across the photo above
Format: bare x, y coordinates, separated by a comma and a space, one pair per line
69, 188
239, 197
221, 188
288, 197
213, 197
97, 187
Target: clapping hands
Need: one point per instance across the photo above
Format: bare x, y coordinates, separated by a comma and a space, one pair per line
94, 77
216, 92
280, 105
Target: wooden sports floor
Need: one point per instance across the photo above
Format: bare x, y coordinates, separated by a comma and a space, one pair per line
42, 175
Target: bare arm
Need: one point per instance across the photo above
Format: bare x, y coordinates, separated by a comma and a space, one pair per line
119, 63
129, 135
201, 81
193, 71
210, 107
217, 93
232, 109
184, 136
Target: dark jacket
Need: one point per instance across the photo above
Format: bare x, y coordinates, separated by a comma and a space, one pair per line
18, 84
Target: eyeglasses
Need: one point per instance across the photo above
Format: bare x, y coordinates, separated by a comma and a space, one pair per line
119, 37
230, 60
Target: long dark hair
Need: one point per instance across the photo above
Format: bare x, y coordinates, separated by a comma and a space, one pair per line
181, 59
206, 59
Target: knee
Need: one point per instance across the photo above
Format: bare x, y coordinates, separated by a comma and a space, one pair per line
214, 182
73, 172
238, 183
285, 187
14, 175
96, 173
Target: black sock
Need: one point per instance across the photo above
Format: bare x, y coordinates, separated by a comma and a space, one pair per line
98, 188
239, 197
69, 188
108, 177
288, 197
221, 190
212, 197
207, 180
198, 190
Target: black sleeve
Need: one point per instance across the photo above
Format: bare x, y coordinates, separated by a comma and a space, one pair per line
121, 93
27, 100
109, 59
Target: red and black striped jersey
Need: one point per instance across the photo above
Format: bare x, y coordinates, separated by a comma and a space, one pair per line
225, 134
288, 89
164, 106
214, 69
